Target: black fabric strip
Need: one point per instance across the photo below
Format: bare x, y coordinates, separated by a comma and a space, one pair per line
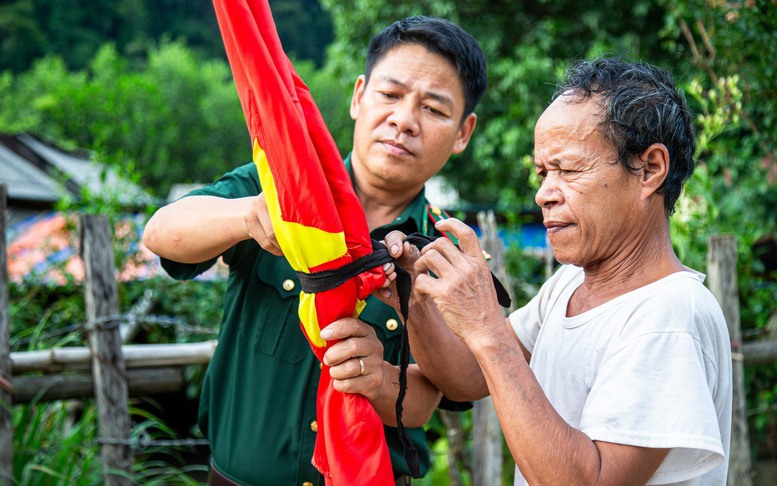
329, 279
420, 240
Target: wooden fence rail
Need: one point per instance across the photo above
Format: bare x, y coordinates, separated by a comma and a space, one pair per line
150, 368
135, 356
111, 372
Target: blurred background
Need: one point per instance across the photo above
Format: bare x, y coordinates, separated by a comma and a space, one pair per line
116, 108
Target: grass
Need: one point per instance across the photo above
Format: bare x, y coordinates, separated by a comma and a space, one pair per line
56, 444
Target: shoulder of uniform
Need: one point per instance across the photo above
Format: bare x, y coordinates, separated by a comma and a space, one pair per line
435, 214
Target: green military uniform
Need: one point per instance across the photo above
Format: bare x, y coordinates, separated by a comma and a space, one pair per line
258, 402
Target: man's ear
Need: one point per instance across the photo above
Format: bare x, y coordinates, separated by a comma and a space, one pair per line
465, 133
358, 92
655, 169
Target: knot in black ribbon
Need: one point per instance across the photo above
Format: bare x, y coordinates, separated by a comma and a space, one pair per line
329, 279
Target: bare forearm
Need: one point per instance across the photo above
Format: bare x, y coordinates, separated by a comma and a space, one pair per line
420, 400
197, 228
441, 355
546, 449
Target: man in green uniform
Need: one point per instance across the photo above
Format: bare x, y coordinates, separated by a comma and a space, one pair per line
412, 109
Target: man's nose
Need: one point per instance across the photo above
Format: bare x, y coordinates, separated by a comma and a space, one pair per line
548, 194
404, 117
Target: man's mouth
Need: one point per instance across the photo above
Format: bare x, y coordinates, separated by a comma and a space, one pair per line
554, 226
396, 148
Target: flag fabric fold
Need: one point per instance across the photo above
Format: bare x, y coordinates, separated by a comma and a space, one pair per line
318, 221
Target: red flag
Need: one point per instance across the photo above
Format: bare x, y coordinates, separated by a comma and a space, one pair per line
318, 221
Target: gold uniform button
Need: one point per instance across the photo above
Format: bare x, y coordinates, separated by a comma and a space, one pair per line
314, 426
392, 324
288, 285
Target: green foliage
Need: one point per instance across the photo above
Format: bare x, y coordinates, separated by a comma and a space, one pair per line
45, 316
528, 46
56, 444
176, 120
167, 110
75, 30
734, 91
719, 51
52, 444
49, 448
52, 447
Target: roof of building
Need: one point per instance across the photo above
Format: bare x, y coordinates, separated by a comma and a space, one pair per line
24, 180
39, 173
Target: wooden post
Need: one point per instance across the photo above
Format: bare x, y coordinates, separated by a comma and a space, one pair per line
108, 370
456, 447
722, 282
487, 433
6, 400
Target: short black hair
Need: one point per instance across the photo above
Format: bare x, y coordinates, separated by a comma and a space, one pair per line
641, 105
441, 37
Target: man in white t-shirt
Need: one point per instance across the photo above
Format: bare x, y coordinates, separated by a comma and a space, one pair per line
619, 370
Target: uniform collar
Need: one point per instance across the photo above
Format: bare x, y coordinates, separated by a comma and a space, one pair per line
415, 211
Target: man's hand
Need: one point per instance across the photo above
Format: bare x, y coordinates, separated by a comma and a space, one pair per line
406, 255
357, 366
259, 225
462, 287
356, 361
403, 252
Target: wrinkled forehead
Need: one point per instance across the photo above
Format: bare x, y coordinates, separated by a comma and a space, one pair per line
572, 117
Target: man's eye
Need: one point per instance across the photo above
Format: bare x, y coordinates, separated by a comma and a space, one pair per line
434, 111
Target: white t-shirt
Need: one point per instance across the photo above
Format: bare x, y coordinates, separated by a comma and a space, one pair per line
650, 368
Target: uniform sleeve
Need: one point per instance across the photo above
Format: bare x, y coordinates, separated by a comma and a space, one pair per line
654, 392
241, 182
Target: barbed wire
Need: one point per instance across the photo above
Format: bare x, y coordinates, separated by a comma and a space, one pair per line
136, 444
144, 441
114, 321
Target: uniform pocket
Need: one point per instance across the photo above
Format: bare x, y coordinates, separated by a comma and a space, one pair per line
280, 335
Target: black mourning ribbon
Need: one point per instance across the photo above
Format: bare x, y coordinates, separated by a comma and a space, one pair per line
329, 279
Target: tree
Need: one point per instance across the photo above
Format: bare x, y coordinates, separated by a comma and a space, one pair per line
528, 45
75, 30
734, 188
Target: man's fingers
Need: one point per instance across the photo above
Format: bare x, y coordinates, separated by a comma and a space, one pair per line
350, 368
393, 242
345, 328
266, 242
391, 274
441, 258
260, 228
468, 240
